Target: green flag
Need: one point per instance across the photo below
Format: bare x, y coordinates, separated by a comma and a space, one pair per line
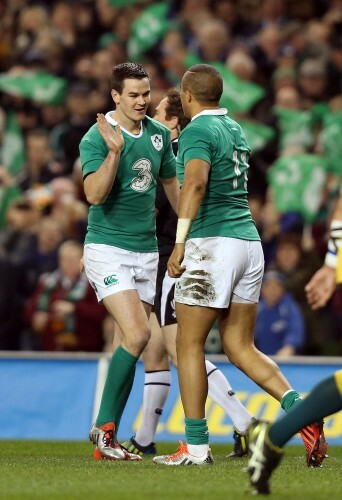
295, 128
13, 147
257, 134
297, 182
238, 96
331, 142
38, 86
147, 29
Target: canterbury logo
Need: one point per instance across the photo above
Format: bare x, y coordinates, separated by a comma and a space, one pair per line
111, 280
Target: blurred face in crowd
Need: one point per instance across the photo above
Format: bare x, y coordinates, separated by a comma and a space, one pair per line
22, 215
102, 63
38, 150
132, 103
49, 235
213, 39
312, 85
288, 256
69, 260
272, 291
287, 98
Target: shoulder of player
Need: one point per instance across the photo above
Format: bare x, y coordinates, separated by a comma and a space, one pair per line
92, 135
155, 127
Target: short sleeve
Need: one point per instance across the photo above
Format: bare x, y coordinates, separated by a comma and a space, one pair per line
196, 143
92, 155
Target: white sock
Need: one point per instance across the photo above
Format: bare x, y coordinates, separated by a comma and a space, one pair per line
221, 392
156, 390
198, 450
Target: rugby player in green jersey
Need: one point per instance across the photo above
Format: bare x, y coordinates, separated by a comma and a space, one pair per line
162, 343
122, 156
219, 263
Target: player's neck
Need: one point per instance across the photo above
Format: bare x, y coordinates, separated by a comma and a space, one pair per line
132, 126
198, 108
174, 134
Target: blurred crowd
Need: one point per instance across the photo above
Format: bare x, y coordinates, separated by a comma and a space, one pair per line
282, 64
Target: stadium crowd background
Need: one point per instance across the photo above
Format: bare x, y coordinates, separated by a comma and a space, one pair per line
282, 63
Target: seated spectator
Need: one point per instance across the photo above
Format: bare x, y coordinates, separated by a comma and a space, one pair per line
280, 326
63, 313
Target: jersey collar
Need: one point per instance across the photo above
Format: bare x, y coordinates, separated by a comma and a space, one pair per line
111, 120
221, 111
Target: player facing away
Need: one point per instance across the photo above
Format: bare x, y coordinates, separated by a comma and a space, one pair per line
219, 263
266, 440
122, 156
162, 343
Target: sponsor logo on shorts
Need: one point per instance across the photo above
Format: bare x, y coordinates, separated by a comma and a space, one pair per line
111, 280
93, 285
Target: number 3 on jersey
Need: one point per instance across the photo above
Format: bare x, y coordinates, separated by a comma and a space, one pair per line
240, 167
144, 177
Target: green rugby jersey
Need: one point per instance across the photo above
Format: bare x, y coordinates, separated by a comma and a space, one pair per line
126, 219
214, 137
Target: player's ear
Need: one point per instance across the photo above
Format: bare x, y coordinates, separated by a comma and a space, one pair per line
174, 122
188, 96
115, 96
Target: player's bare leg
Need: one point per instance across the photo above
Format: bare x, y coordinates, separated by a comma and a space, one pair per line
156, 390
237, 332
131, 314
236, 327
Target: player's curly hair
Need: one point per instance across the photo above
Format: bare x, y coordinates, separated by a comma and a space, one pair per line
174, 108
124, 71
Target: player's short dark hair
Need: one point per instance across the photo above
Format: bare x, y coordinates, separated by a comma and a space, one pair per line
174, 107
204, 82
126, 71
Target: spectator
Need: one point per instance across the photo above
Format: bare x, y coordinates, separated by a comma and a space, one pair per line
279, 327
63, 313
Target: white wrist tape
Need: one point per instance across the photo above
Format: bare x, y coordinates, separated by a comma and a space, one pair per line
334, 243
183, 230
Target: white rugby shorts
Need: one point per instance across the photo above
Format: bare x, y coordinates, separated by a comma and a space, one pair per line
220, 270
111, 270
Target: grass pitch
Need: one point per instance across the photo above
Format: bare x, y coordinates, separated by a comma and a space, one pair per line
51, 470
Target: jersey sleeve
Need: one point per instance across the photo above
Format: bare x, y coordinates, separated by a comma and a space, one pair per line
196, 143
168, 165
92, 155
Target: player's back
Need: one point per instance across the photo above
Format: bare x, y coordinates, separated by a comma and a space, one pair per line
217, 139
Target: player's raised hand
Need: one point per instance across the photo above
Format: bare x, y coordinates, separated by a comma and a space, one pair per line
174, 265
321, 287
113, 137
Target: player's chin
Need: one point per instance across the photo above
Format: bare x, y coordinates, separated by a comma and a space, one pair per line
140, 113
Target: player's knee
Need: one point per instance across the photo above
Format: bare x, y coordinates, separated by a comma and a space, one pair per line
140, 340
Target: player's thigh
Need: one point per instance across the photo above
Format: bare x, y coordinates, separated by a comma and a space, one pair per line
236, 327
194, 324
131, 314
154, 355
